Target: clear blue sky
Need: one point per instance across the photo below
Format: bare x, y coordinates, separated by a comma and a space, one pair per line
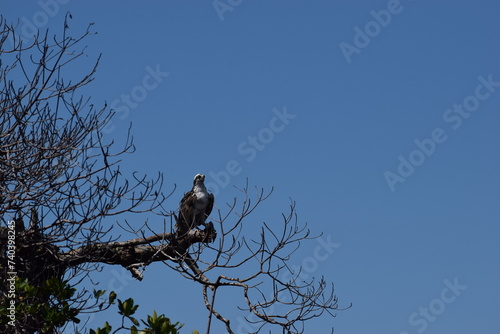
387, 139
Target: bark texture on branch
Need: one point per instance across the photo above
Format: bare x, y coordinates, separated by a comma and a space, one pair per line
140, 250
131, 254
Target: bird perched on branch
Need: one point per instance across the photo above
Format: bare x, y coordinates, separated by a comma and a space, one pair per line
195, 206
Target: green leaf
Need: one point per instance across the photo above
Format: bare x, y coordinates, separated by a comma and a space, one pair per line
98, 293
105, 330
112, 297
121, 308
135, 321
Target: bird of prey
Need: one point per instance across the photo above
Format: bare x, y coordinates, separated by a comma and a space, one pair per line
195, 206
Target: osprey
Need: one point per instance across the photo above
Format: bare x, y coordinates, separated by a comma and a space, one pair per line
196, 205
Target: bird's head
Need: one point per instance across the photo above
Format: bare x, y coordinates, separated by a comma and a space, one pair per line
198, 178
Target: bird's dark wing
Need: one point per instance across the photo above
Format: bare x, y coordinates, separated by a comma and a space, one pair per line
186, 210
210, 205
187, 199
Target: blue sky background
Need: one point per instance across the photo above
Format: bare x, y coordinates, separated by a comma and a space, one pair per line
353, 117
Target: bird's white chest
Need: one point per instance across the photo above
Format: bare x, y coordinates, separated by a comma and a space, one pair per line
201, 199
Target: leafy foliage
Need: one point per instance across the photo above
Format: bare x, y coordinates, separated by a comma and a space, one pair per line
155, 324
52, 302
